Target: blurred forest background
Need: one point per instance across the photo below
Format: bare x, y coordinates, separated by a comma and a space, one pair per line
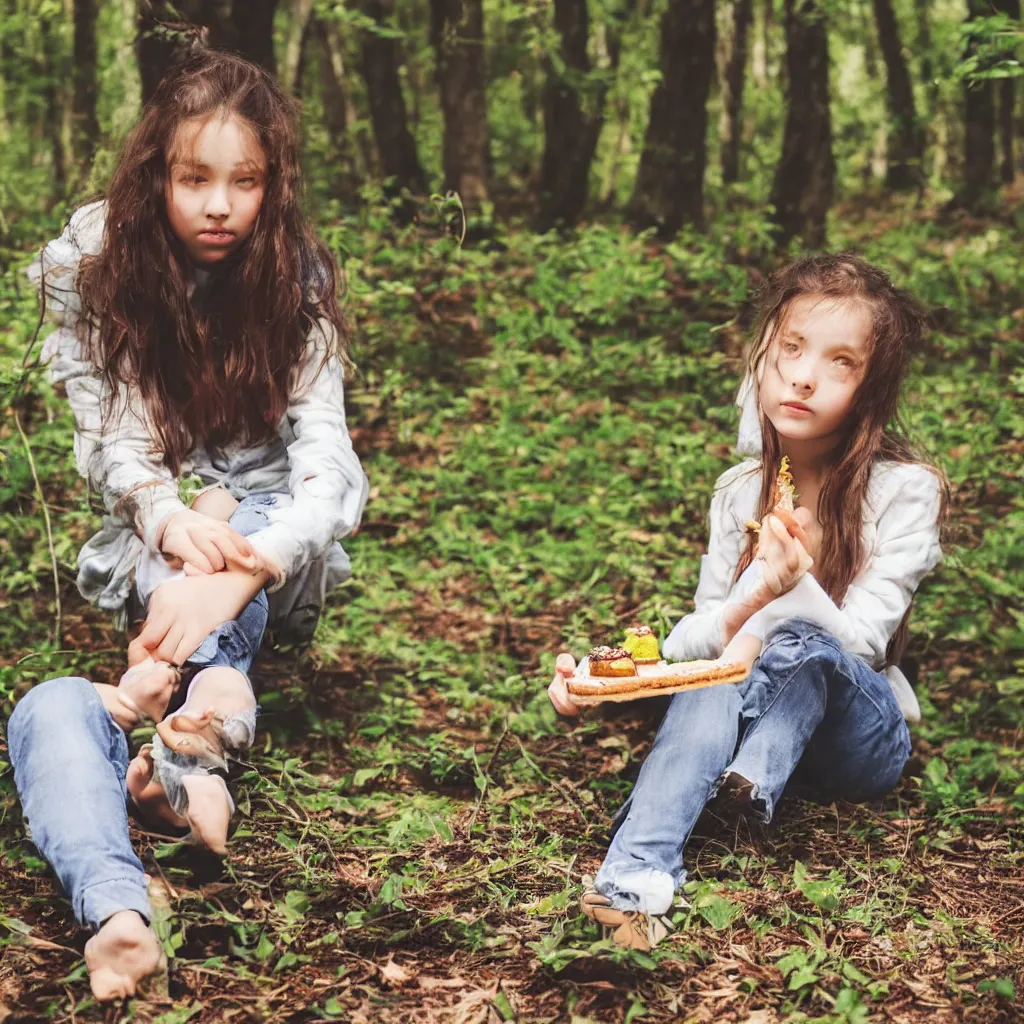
553, 215
551, 111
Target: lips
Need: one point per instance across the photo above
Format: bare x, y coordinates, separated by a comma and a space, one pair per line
217, 237
796, 406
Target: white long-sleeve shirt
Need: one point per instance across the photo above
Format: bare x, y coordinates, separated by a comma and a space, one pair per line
311, 463
901, 539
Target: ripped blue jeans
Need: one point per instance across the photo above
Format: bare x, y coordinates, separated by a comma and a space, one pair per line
71, 758
808, 709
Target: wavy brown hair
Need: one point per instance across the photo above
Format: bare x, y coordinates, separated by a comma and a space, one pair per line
873, 433
217, 369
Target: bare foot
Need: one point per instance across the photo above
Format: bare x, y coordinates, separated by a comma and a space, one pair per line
209, 812
120, 955
150, 684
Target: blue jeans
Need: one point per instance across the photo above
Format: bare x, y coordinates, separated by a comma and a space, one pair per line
70, 761
806, 704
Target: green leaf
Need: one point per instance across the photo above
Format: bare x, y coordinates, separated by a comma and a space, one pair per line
635, 1012
802, 976
823, 894
718, 911
1002, 987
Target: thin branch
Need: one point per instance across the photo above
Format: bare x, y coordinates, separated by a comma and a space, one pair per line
58, 623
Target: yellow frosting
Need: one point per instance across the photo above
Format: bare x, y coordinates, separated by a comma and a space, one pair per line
641, 648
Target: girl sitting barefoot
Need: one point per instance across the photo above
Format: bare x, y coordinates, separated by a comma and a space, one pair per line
199, 335
824, 699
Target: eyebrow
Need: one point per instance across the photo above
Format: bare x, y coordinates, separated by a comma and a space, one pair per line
194, 165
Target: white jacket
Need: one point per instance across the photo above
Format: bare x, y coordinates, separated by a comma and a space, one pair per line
311, 462
901, 537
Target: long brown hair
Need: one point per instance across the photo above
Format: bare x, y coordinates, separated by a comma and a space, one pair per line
217, 369
873, 433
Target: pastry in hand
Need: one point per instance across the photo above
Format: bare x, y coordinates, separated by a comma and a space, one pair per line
642, 645
783, 497
611, 662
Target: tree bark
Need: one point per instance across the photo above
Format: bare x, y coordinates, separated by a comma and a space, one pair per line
301, 12
396, 148
52, 74
1007, 104
339, 113
669, 187
905, 142
805, 176
734, 75
1007, 95
979, 130
86, 129
166, 28
457, 32
253, 25
573, 115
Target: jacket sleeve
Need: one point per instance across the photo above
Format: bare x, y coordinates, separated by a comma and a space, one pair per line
699, 634
327, 483
905, 549
116, 457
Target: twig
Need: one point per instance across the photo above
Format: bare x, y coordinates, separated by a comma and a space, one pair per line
483, 791
42, 313
58, 624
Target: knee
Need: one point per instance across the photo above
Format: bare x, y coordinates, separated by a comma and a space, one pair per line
45, 707
795, 643
251, 514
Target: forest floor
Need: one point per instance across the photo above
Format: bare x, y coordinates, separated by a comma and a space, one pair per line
543, 422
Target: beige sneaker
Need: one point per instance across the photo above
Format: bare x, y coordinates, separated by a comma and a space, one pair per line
630, 929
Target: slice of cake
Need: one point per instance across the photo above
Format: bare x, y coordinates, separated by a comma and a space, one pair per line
642, 645
613, 662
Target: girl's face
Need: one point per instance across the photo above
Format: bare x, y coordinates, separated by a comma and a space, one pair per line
217, 173
810, 374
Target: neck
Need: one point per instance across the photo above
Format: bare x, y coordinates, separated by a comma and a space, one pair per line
808, 460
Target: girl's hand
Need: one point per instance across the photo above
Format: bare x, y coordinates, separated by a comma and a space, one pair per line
209, 545
798, 526
558, 692
784, 558
182, 613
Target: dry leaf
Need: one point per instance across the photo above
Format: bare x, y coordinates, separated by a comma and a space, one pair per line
395, 974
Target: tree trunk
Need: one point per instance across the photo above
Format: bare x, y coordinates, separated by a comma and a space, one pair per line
573, 115
339, 113
301, 12
457, 33
905, 143
52, 73
979, 129
166, 28
805, 176
396, 147
86, 129
1007, 103
734, 75
1007, 96
669, 187
253, 25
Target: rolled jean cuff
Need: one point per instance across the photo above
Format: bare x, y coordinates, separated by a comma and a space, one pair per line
104, 899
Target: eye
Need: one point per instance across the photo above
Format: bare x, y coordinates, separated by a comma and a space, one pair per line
249, 180
193, 179
843, 361
790, 347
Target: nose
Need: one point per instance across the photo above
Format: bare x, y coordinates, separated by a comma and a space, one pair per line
218, 205
802, 374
